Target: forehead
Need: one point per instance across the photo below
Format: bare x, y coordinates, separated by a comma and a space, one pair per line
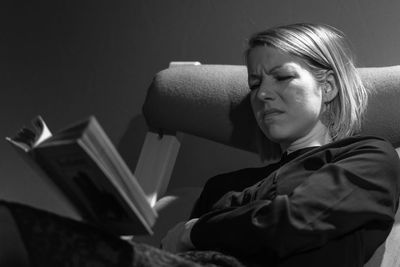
265, 58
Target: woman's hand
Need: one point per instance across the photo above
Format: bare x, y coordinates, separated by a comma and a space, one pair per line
178, 238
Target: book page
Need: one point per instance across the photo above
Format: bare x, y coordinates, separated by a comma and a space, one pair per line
91, 188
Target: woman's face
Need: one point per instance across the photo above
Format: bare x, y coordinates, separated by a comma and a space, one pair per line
285, 97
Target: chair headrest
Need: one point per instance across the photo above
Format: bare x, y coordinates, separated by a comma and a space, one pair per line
212, 101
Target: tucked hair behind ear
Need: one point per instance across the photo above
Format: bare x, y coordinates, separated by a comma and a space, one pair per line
323, 48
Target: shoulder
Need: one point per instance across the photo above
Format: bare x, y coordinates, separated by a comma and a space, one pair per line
367, 145
357, 150
373, 151
371, 157
360, 139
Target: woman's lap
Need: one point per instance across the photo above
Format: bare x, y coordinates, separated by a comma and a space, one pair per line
52, 240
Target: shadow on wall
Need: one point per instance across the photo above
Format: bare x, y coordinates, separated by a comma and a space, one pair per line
132, 140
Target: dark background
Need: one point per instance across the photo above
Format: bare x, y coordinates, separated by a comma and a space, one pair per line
67, 60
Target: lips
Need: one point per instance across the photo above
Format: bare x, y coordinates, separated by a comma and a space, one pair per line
270, 113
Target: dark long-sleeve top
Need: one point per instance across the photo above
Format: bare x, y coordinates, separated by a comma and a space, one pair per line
331, 205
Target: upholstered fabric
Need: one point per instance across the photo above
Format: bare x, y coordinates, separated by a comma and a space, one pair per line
207, 100
211, 101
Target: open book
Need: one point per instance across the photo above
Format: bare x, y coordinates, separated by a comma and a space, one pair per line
82, 161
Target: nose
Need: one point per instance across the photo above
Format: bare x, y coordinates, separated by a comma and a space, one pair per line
265, 91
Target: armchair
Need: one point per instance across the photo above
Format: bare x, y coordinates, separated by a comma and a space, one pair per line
211, 101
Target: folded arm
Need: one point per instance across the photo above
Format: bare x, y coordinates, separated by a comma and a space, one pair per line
360, 187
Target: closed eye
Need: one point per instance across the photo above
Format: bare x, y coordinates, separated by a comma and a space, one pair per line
254, 87
254, 83
283, 78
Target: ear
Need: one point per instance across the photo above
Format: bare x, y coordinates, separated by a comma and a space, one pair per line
329, 88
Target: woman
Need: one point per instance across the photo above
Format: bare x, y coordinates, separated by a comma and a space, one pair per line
331, 198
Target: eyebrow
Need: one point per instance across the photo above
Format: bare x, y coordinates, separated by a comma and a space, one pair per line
274, 69
268, 73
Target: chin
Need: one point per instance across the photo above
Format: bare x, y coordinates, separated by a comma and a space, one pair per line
276, 135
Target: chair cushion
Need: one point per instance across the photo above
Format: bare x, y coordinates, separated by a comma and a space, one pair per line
388, 254
211, 101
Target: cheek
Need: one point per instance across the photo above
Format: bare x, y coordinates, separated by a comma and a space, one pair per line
309, 101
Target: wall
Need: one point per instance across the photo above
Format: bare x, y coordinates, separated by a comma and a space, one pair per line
67, 60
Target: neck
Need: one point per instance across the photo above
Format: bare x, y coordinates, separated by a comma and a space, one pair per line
318, 136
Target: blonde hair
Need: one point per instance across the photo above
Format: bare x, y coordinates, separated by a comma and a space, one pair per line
323, 48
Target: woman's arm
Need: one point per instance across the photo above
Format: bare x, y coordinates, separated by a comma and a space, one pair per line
359, 188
